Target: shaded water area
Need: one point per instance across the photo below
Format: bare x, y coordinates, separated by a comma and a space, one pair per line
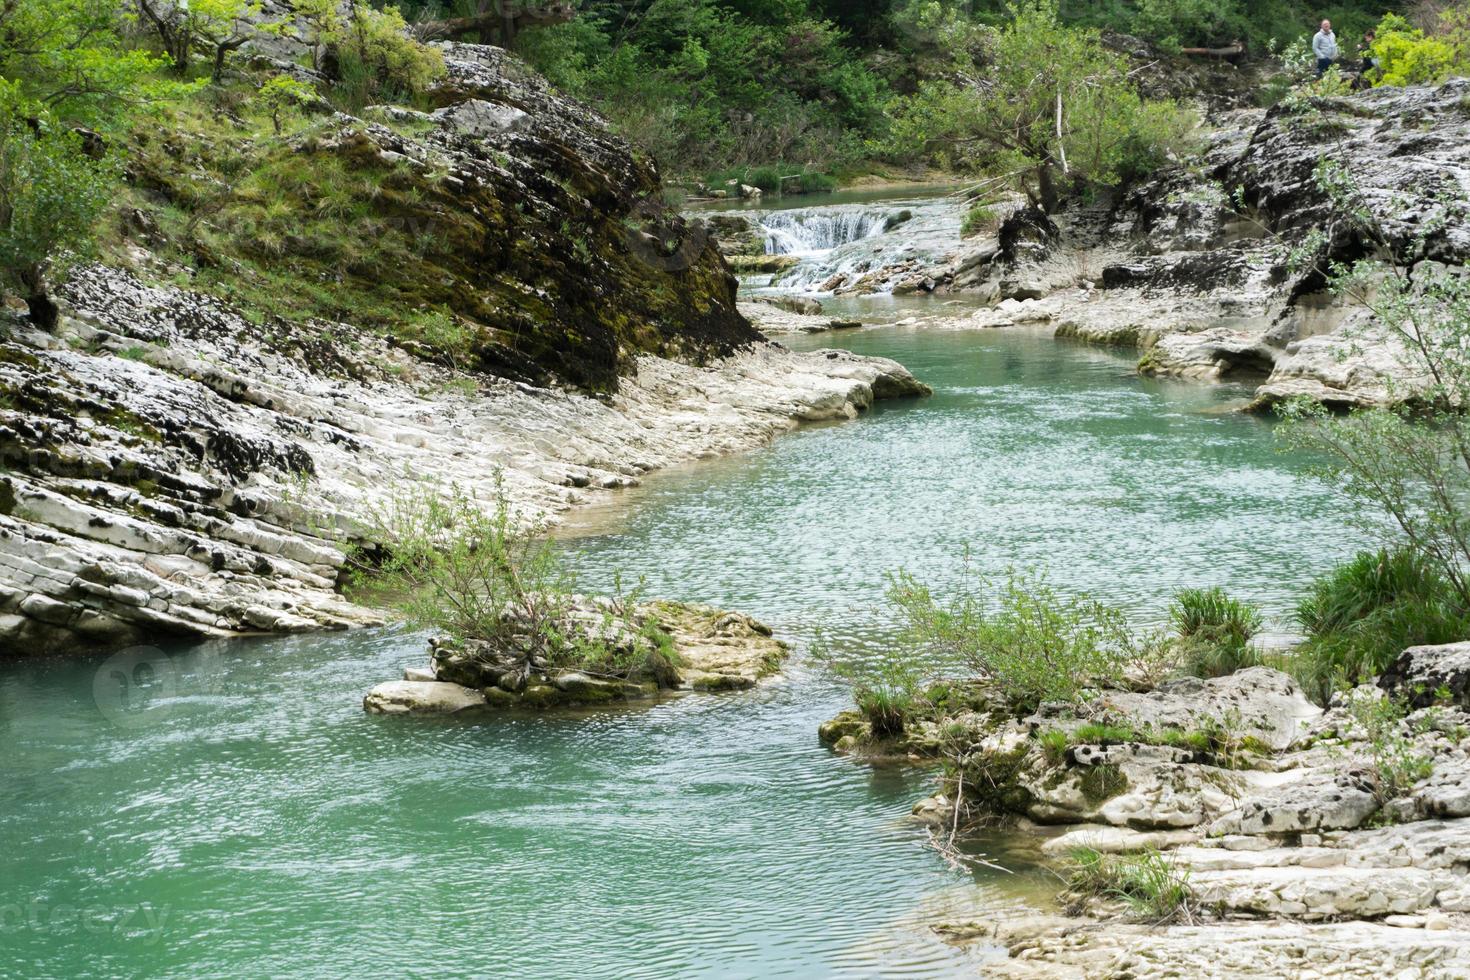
252, 821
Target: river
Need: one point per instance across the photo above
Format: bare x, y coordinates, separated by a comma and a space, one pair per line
253, 821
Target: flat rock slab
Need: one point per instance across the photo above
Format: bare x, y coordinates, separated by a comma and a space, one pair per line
422, 698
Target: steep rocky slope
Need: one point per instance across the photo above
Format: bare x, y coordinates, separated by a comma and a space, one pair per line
509, 213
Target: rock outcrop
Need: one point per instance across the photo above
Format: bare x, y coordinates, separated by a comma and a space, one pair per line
1267, 808
1194, 268
712, 650
172, 463
171, 467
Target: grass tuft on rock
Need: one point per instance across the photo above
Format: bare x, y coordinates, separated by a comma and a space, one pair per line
1150, 884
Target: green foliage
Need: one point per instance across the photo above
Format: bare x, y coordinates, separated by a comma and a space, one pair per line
1214, 630
1032, 643
980, 217
52, 191
1224, 741
703, 84
1364, 613
1395, 761
766, 178
467, 569
1149, 883
1054, 745
1051, 105
1408, 466
69, 60
1407, 55
888, 688
282, 94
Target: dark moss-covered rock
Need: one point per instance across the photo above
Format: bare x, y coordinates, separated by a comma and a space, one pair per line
510, 230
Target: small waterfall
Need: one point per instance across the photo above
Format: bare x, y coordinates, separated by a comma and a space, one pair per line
819, 230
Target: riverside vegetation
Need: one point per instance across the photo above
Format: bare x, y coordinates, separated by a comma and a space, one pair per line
316, 230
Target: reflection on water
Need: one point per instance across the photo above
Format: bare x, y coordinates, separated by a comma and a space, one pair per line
279, 831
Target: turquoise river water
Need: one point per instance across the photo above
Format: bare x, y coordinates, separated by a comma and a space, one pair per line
254, 822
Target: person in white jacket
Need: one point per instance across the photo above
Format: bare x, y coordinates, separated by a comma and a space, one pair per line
1324, 46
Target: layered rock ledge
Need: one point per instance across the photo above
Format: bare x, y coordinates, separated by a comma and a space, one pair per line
1301, 856
171, 467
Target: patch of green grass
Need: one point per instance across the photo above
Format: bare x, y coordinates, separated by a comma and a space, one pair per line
1360, 616
1153, 887
1215, 631
980, 217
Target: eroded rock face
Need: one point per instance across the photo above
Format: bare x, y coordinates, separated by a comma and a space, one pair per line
171, 467
1422, 674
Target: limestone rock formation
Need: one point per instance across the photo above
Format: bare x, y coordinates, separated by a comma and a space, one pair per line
1193, 267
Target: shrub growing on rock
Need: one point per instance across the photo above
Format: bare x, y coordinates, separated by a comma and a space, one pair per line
1362, 614
1396, 762
448, 562
1149, 883
1032, 643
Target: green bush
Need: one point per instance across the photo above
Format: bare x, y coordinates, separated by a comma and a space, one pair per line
466, 569
1150, 884
1407, 55
1392, 756
811, 183
1361, 615
1033, 644
767, 179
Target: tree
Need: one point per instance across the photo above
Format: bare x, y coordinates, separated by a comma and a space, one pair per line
52, 190
282, 94
1051, 106
222, 26
67, 59
63, 66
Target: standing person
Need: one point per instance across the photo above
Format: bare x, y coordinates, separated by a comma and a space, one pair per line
1324, 46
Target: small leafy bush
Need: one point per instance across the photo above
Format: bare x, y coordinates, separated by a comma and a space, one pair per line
448, 562
1392, 755
1407, 55
1034, 644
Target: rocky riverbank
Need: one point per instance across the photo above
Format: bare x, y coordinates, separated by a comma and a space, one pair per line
1194, 269
1282, 822
172, 468
195, 450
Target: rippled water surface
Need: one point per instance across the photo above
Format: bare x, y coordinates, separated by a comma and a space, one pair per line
256, 823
